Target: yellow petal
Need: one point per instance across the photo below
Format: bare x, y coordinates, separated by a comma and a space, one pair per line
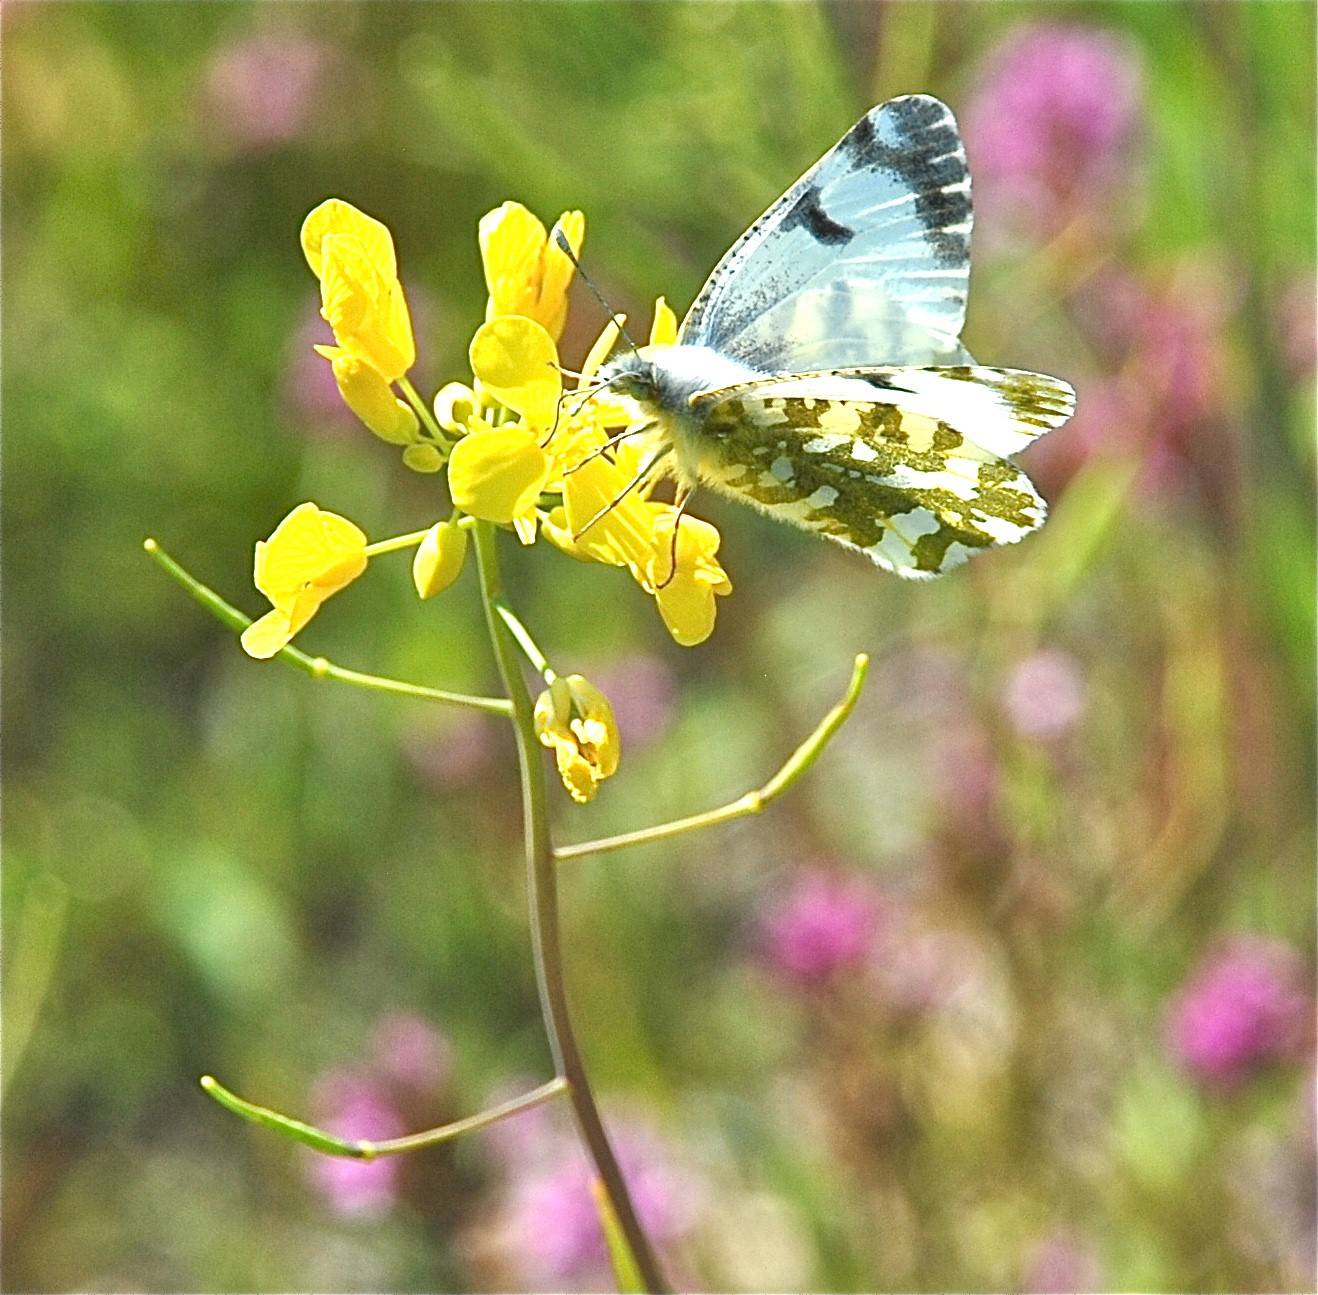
310, 546
512, 242
264, 637
558, 271
663, 332
604, 343
517, 363
365, 308
497, 475
334, 216
688, 609
439, 558
369, 396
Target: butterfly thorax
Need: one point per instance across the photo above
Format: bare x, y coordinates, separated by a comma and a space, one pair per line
666, 381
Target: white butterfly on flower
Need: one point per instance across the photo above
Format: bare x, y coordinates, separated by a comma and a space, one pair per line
820, 374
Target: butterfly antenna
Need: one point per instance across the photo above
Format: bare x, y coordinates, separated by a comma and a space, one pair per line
566, 248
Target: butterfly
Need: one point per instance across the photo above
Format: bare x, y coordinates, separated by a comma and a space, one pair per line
820, 376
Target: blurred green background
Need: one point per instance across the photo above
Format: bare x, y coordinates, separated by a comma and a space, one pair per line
1014, 992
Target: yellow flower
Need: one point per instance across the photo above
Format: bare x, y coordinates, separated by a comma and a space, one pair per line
575, 719
370, 397
526, 272
516, 362
353, 257
497, 473
311, 555
439, 558
685, 596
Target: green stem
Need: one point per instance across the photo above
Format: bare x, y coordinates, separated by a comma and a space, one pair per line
360, 1149
408, 541
524, 640
545, 936
753, 801
423, 412
317, 667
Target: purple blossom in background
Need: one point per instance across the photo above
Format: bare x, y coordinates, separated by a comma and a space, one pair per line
1050, 128
1045, 694
641, 689
1061, 1264
826, 922
411, 1053
260, 91
354, 1106
309, 386
552, 1225
1244, 1005
449, 749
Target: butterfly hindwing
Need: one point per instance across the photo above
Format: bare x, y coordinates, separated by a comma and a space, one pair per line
883, 460
866, 256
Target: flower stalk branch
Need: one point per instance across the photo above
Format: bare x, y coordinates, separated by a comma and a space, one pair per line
753, 802
360, 1149
542, 895
318, 667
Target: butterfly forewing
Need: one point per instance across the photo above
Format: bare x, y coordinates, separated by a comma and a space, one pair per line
866, 257
881, 460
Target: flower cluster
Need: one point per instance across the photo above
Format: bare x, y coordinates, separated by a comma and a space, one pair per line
520, 449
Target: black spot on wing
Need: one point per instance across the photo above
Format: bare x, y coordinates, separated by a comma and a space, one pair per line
808, 212
924, 153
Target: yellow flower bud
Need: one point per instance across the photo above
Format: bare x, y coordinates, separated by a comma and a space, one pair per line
497, 473
517, 363
370, 397
575, 720
311, 555
439, 558
423, 457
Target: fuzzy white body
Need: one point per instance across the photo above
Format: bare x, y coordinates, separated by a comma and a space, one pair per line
663, 380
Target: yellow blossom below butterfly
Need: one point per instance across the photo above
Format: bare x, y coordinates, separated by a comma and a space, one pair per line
311, 555
575, 720
526, 272
497, 473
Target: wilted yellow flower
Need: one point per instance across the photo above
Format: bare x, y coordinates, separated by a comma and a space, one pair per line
575, 719
685, 596
311, 555
497, 473
370, 397
352, 255
526, 272
439, 558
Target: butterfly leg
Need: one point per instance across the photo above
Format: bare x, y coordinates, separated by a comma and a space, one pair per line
608, 445
684, 498
650, 464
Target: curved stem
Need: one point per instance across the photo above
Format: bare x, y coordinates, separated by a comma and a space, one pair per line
316, 666
545, 936
359, 1149
753, 802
